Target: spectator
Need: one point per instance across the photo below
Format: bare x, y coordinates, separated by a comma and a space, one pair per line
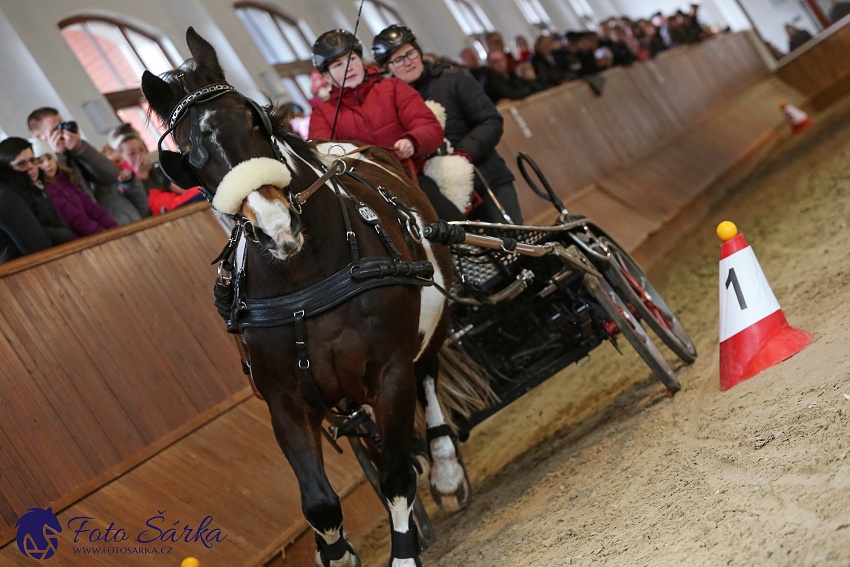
299, 123
469, 61
97, 174
548, 73
29, 222
523, 52
495, 43
621, 53
162, 194
473, 126
604, 58
582, 45
694, 30
566, 55
319, 88
668, 31
502, 83
796, 37
376, 110
83, 215
838, 10
650, 39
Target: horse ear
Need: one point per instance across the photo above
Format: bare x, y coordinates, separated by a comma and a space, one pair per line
157, 92
202, 51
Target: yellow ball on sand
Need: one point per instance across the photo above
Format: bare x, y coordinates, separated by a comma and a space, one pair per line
190, 562
727, 230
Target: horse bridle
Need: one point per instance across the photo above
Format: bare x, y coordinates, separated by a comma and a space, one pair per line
182, 168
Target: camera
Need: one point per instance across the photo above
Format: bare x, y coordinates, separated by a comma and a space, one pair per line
70, 126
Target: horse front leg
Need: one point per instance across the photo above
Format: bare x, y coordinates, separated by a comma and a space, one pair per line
296, 427
450, 486
394, 414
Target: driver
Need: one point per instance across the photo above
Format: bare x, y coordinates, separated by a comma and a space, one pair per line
473, 125
376, 109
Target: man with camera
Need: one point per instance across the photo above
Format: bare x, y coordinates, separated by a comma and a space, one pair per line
97, 174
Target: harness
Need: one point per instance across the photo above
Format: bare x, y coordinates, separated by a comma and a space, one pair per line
361, 274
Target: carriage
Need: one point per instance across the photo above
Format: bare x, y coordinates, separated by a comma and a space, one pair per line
350, 299
525, 309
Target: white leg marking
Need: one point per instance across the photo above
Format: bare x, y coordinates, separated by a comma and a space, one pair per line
446, 471
400, 511
331, 537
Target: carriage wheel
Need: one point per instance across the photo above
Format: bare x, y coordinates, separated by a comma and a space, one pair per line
368, 457
627, 277
630, 328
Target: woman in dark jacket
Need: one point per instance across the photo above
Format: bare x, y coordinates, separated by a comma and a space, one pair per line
83, 215
28, 220
473, 125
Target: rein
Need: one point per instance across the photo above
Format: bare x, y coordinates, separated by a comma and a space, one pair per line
337, 167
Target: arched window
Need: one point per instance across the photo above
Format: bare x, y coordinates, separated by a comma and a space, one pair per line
114, 55
534, 14
379, 15
584, 11
284, 43
473, 21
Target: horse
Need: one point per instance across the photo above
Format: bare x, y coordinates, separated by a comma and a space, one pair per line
335, 298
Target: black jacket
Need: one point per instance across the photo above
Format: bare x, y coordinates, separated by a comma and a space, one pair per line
28, 220
473, 125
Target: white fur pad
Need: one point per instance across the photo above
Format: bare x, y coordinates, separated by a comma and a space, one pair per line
247, 177
439, 111
330, 151
454, 176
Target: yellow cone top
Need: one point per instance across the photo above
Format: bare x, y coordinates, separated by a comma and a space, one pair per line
190, 562
727, 230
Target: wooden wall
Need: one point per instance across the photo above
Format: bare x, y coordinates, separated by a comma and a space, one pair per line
821, 68
111, 348
660, 133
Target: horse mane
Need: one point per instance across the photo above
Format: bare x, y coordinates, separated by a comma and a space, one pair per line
280, 115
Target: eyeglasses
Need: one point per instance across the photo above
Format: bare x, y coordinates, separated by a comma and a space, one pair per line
411, 55
23, 163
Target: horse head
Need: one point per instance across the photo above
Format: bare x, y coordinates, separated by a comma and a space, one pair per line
228, 146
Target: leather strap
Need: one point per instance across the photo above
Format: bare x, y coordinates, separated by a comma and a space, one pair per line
337, 167
348, 282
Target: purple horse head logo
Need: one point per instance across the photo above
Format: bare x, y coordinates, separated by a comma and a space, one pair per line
38, 533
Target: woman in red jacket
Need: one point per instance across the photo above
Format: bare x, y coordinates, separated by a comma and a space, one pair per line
377, 110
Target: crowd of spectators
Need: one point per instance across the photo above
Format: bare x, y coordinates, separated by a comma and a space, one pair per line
56, 187
553, 59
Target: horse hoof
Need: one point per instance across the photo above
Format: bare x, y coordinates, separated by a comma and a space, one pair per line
348, 560
456, 501
406, 562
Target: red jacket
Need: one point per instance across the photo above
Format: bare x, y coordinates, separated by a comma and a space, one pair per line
380, 111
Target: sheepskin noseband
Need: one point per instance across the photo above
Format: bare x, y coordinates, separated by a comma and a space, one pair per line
247, 177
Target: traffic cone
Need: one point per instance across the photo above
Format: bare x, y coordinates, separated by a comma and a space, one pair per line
754, 334
798, 119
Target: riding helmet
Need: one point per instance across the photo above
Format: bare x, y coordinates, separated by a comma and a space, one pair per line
332, 45
390, 40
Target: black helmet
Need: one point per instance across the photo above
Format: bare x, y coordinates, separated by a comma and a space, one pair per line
390, 40
332, 45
